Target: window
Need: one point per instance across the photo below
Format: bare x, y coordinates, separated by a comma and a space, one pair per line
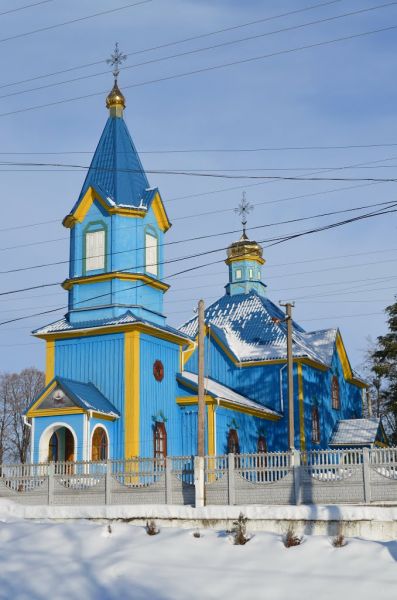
151, 254
233, 446
99, 445
160, 440
261, 445
315, 426
238, 273
251, 273
335, 393
95, 250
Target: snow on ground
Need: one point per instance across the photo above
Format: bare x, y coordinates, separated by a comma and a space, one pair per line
83, 560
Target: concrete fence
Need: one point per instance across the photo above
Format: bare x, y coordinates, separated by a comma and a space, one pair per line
361, 476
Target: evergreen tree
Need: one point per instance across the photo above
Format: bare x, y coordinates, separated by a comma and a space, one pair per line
384, 366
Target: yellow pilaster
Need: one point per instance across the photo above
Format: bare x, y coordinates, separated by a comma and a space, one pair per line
211, 429
50, 362
301, 409
131, 394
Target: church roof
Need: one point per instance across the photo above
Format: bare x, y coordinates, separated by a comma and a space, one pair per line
116, 171
253, 329
128, 318
222, 392
355, 432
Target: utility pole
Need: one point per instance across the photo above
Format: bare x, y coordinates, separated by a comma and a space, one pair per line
290, 370
201, 399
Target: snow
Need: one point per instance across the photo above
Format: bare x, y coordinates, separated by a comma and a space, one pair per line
83, 559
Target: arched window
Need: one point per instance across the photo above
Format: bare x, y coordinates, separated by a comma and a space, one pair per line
335, 396
151, 253
315, 425
53, 448
99, 450
261, 444
233, 446
160, 440
94, 249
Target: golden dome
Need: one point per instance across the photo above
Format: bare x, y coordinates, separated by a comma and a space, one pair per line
115, 98
245, 249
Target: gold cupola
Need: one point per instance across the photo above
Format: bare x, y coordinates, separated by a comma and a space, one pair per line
115, 101
245, 249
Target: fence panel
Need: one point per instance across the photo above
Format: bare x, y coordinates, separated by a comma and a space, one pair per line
383, 474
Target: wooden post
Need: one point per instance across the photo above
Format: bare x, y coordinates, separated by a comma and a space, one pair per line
290, 371
200, 391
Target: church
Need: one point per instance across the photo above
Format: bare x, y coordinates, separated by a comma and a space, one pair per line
122, 383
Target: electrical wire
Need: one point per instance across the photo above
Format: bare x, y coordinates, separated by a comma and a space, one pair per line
14, 10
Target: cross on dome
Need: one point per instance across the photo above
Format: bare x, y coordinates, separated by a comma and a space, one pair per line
243, 209
115, 60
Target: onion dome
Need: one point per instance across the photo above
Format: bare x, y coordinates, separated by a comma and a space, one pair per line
115, 101
245, 249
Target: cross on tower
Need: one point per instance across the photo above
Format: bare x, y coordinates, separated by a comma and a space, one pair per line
243, 209
115, 60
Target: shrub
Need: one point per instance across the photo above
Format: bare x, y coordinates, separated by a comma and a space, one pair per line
197, 534
339, 540
291, 539
109, 529
240, 531
151, 528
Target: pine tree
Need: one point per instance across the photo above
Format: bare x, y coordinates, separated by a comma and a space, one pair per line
385, 368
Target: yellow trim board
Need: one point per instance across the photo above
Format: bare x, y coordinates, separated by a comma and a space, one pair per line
346, 368
54, 412
160, 213
209, 400
301, 409
123, 276
211, 429
49, 361
186, 354
43, 395
131, 394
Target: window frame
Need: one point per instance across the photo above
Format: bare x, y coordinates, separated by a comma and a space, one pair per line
335, 393
92, 228
232, 438
238, 273
159, 440
154, 268
316, 433
101, 449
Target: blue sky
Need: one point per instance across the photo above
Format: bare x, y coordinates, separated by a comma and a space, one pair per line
332, 95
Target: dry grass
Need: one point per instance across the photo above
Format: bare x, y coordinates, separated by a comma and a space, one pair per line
291, 538
151, 528
239, 531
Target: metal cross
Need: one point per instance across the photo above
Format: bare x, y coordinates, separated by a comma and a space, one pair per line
243, 209
115, 60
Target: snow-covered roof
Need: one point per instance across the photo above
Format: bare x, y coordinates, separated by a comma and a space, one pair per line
355, 432
63, 325
222, 392
253, 329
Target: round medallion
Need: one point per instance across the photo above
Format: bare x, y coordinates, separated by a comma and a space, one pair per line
158, 370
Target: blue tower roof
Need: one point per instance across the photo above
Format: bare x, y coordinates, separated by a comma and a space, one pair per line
116, 170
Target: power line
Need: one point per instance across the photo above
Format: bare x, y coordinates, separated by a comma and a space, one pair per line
13, 10
200, 237
182, 41
72, 21
338, 224
205, 49
206, 69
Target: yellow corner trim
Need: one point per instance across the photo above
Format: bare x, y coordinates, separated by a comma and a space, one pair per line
301, 409
160, 285
49, 361
211, 429
131, 393
186, 354
86, 202
253, 257
160, 213
347, 371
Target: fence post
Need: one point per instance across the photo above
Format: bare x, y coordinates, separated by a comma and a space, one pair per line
296, 467
366, 476
199, 481
231, 479
50, 475
108, 482
168, 480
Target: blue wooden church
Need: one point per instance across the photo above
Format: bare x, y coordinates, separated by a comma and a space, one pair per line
121, 383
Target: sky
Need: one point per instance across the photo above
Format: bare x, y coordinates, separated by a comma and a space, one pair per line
275, 115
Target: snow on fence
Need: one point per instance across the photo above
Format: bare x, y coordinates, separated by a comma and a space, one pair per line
316, 477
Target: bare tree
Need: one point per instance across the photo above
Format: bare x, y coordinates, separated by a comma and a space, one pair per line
22, 388
4, 418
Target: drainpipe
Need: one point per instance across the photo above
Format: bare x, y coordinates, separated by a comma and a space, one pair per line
26, 422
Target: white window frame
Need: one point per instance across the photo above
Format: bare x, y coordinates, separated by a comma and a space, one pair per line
151, 253
250, 273
95, 244
239, 273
